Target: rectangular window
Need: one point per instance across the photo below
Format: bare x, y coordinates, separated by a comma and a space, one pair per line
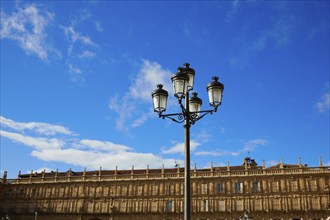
124, 190
139, 190
294, 186
169, 189
222, 206
204, 206
239, 205
295, 204
21, 193
238, 187
9, 193
122, 206
256, 187
34, 193
169, 206
220, 187
315, 204
154, 206
257, 204
276, 204
275, 186
204, 188
155, 190
313, 185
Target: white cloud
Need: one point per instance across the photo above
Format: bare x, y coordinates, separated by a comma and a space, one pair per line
252, 144
39, 127
217, 153
86, 152
149, 75
87, 54
247, 147
179, 148
103, 145
324, 103
94, 159
139, 121
74, 36
80, 47
98, 26
73, 69
35, 142
40, 170
27, 27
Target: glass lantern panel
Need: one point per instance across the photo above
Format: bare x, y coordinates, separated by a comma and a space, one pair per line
179, 86
156, 103
215, 96
194, 107
162, 102
191, 81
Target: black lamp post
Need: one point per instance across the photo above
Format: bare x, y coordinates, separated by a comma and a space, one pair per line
183, 83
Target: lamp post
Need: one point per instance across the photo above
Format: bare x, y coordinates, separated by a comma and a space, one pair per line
183, 83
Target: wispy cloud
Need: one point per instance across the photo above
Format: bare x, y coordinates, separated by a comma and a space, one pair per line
248, 146
149, 75
80, 47
98, 26
38, 143
179, 148
38, 127
103, 145
85, 152
75, 37
324, 103
231, 14
27, 27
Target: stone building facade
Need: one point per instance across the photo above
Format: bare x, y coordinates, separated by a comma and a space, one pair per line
286, 192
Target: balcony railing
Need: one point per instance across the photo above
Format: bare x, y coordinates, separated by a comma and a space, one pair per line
172, 175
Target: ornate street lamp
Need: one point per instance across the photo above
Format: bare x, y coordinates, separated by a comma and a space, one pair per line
183, 83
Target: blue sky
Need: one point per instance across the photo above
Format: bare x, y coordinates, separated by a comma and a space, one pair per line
77, 77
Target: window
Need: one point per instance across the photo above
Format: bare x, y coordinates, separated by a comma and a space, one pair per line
21, 193
239, 205
275, 186
124, 190
122, 206
295, 204
257, 204
313, 185
169, 190
154, 206
155, 190
204, 188
238, 187
276, 204
256, 187
220, 187
222, 205
204, 206
169, 206
294, 186
34, 193
139, 190
315, 203
9, 193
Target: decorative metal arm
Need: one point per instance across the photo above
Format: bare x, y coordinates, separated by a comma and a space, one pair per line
192, 116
